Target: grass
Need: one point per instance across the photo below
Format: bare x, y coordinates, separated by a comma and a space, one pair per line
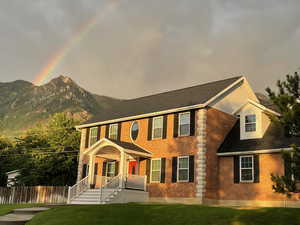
4, 209
135, 214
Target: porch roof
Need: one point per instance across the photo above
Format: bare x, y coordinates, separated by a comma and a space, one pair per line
127, 147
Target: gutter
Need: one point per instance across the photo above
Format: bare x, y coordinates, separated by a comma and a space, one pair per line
255, 152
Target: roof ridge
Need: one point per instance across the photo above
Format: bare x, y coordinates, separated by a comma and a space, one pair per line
211, 82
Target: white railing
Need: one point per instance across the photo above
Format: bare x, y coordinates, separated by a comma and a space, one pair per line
136, 182
78, 188
113, 183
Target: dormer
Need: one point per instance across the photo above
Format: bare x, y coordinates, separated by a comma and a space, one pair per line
254, 120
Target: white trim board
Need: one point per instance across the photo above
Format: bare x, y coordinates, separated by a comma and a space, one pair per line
254, 152
186, 108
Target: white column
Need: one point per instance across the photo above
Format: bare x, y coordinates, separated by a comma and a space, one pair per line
91, 169
122, 169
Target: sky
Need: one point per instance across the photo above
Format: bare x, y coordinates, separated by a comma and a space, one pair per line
132, 48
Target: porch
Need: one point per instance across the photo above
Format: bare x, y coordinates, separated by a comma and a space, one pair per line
110, 166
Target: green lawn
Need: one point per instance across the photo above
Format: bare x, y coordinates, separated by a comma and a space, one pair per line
4, 209
132, 214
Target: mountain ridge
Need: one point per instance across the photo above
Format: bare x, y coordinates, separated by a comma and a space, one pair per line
23, 104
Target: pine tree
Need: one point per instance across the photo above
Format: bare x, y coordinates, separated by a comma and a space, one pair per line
287, 100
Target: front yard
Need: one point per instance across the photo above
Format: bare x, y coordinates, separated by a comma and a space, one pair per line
131, 214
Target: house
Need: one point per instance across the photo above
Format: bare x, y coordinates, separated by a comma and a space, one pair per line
11, 177
211, 143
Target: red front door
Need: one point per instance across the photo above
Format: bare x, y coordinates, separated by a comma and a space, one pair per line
132, 168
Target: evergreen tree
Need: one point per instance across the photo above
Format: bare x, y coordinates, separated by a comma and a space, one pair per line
287, 100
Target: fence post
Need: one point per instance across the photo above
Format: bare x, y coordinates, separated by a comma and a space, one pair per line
69, 195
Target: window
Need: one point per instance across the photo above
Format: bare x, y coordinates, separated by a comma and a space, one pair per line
183, 169
113, 131
250, 123
155, 170
111, 169
157, 127
93, 135
134, 130
246, 169
184, 124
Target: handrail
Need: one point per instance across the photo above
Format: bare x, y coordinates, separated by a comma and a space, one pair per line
108, 184
78, 188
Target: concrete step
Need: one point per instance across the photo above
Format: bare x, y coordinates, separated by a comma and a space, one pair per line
30, 211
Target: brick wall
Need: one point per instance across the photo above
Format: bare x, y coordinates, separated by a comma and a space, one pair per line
218, 126
262, 191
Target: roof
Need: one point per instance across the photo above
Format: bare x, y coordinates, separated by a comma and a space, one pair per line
190, 96
273, 138
130, 146
265, 101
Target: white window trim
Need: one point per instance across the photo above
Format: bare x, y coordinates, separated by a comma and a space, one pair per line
188, 168
162, 130
252, 158
110, 129
90, 135
251, 123
151, 181
179, 119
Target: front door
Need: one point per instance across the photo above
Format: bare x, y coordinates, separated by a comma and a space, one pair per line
132, 168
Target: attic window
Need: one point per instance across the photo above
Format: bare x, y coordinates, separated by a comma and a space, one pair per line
250, 123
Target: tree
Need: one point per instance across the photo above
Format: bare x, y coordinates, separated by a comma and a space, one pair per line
287, 100
51, 153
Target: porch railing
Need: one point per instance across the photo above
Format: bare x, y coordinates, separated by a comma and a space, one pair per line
136, 182
78, 188
113, 183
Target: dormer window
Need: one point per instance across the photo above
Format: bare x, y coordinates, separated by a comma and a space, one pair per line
250, 123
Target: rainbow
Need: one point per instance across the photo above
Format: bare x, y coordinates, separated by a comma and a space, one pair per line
84, 29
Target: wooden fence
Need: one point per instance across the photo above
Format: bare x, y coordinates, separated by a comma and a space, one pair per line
37, 194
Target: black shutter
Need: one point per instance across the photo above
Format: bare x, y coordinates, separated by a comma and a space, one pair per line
99, 133
150, 120
165, 126
96, 169
106, 131
175, 131
236, 169
256, 168
191, 168
148, 161
119, 131
163, 170
104, 169
87, 139
192, 122
84, 167
174, 169
287, 166
116, 168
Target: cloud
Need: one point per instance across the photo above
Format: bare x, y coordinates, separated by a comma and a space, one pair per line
142, 47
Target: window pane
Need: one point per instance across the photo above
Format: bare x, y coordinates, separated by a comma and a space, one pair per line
135, 130
250, 119
155, 164
155, 176
246, 162
113, 131
111, 168
250, 127
93, 135
157, 133
183, 174
183, 162
185, 118
184, 129
158, 122
246, 175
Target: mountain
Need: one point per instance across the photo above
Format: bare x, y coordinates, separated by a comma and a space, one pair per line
22, 104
